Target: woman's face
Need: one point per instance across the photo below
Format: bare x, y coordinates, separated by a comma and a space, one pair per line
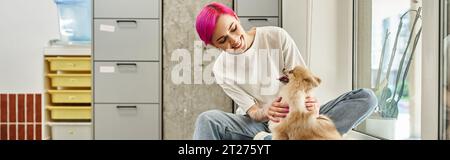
229, 35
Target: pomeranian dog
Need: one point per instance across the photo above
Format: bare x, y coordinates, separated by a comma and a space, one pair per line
301, 124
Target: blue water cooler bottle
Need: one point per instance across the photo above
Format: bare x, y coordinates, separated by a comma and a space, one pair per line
75, 21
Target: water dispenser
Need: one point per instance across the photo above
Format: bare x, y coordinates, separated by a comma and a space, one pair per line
75, 21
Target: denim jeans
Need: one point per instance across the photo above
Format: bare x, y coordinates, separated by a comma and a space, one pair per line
346, 111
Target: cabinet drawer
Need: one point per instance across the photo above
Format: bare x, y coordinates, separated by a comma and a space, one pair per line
117, 82
71, 131
127, 40
127, 122
69, 63
70, 112
70, 80
248, 23
126, 8
257, 7
70, 96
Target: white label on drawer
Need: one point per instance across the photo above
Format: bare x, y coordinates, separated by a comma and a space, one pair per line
107, 69
107, 28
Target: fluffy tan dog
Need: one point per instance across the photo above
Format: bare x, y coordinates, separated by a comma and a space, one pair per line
301, 124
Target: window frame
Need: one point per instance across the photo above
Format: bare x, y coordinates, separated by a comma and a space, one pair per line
432, 126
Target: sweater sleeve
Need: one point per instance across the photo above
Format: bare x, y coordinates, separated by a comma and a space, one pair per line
244, 100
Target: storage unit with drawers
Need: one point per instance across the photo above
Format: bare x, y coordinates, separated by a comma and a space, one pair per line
127, 69
257, 13
68, 98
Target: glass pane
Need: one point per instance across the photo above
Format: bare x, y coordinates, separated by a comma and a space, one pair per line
387, 48
445, 65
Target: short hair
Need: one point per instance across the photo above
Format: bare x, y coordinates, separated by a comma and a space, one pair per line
207, 19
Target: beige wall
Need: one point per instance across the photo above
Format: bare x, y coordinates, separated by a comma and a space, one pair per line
331, 41
25, 29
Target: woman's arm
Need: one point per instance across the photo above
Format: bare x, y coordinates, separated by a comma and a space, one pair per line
258, 114
278, 110
244, 100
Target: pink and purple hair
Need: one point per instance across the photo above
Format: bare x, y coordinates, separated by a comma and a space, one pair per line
207, 19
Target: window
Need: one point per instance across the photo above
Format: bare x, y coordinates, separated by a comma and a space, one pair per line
387, 42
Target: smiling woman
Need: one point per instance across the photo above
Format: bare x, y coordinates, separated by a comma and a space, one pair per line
224, 32
248, 69
207, 19
232, 37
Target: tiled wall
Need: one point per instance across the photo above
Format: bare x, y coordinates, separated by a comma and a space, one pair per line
20, 116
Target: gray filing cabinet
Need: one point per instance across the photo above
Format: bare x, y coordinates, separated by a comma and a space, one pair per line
127, 70
258, 13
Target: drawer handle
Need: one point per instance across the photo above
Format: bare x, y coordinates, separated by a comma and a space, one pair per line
126, 21
126, 64
72, 97
126, 107
258, 19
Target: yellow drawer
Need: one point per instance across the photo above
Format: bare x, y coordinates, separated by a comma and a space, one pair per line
70, 80
68, 96
70, 113
69, 63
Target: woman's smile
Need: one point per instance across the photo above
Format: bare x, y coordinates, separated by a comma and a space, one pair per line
239, 44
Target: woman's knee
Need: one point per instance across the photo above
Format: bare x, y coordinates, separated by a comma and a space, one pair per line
208, 117
207, 125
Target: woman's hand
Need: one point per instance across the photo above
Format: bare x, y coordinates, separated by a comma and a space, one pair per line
277, 110
312, 104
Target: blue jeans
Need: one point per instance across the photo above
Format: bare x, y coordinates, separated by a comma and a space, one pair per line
346, 111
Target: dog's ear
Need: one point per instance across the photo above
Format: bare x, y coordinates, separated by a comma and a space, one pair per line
318, 81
